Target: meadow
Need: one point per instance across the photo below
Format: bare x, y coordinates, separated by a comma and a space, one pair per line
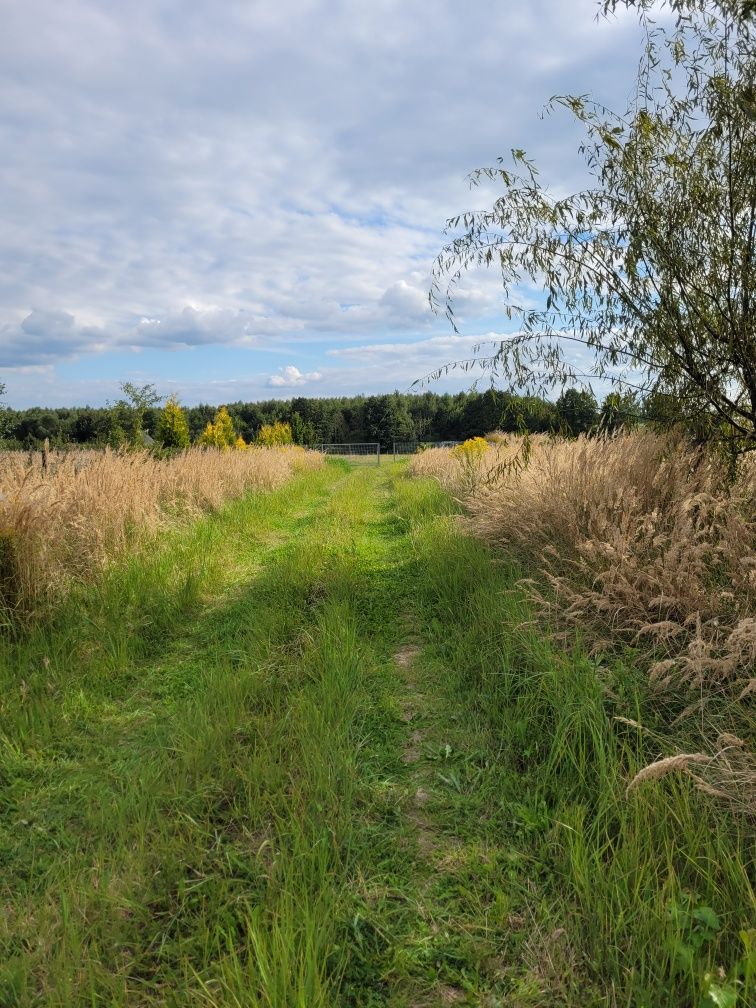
382, 736
65, 515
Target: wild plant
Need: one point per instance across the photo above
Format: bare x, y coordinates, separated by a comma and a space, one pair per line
637, 540
470, 456
66, 522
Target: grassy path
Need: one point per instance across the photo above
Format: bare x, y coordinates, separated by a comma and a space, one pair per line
308, 756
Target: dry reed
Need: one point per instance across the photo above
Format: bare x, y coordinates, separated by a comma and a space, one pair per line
67, 520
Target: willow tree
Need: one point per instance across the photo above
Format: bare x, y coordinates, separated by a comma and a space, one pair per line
742, 9
652, 267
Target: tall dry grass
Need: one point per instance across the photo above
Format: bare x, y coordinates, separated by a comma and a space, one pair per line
637, 535
637, 539
68, 519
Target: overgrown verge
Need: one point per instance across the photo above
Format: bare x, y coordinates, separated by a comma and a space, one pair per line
64, 520
636, 542
550, 883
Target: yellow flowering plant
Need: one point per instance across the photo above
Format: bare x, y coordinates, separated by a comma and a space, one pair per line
470, 456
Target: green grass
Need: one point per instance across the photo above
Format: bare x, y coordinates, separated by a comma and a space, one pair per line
219, 788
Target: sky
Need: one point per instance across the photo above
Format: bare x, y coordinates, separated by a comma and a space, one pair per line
243, 200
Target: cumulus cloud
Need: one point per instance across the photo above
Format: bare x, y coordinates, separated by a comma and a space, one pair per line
194, 326
405, 303
44, 337
292, 377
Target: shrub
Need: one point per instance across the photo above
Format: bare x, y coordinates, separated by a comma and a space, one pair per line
271, 435
471, 451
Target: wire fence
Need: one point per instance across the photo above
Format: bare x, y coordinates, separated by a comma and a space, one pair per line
363, 451
413, 447
370, 451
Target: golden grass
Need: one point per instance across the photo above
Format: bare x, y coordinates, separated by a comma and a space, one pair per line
638, 539
670, 764
637, 535
67, 521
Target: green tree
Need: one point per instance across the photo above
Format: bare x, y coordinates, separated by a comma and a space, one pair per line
172, 427
198, 418
618, 410
534, 414
302, 431
246, 417
652, 267
386, 420
338, 429
483, 413
4, 417
129, 412
403, 427
37, 425
577, 411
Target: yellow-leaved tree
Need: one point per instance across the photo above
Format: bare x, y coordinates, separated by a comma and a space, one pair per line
172, 427
278, 433
220, 432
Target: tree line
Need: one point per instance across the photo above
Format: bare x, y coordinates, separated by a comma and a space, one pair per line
424, 417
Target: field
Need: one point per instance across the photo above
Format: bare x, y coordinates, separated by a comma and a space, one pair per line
64, 516
363, 736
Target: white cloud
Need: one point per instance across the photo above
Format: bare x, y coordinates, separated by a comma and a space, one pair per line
405, 303
44, 337
292, 377
254, 175
194, 325
439, 348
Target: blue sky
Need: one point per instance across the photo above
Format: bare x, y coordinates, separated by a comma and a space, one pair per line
243, 200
